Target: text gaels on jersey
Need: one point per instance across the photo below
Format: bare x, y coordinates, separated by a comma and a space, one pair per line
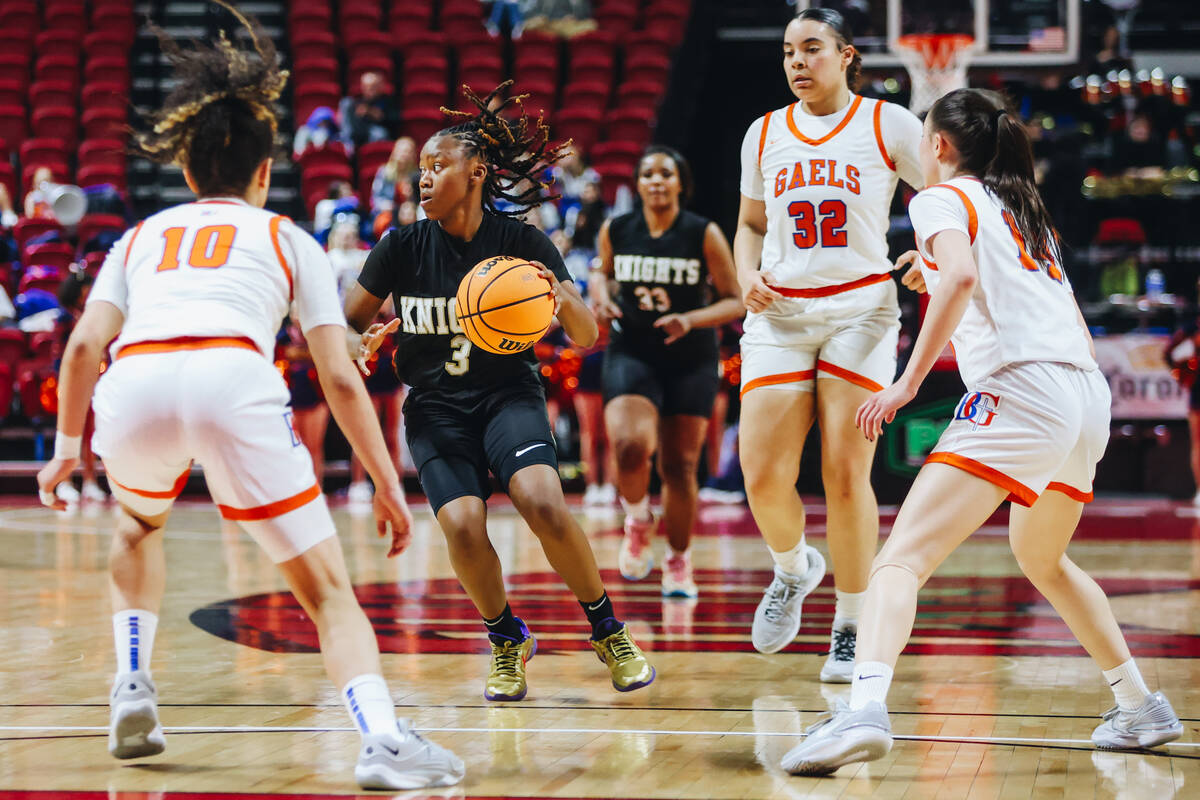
818, 172
656, 269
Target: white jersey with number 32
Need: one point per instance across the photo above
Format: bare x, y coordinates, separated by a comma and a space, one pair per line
827, 183
216, 268
1022, 310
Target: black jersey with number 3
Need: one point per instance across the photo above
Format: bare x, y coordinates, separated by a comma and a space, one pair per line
660, 275
420, 266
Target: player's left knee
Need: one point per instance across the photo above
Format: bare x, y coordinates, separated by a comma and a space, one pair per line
678, 471
547, 517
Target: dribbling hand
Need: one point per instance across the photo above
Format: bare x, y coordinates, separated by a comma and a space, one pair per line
913, 278
50, 476
372, 338
756, 294
392, 516
555, 285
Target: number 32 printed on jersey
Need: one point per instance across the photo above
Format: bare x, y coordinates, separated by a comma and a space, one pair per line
824, 225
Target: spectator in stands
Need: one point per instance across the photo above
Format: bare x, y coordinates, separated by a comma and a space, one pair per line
346, 253
8, 214
72, 295
571, 174
8, 312
1109, 58
37, 204
340, 199
583, 222
396, 181
506, 14
371, 115
564, 18
1139, 149
319, 128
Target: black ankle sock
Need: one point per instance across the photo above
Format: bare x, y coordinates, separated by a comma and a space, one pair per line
505, 626
603, 618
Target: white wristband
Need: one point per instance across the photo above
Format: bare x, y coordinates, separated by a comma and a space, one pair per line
66, 447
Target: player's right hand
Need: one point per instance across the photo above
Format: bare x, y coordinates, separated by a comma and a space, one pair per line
392, 516
757, 296
913, 278
372, 338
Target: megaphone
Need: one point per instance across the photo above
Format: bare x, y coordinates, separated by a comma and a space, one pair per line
68, 202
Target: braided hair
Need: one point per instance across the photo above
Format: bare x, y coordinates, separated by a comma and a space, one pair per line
219, 122
515, 150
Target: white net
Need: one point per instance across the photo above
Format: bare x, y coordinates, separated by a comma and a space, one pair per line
936, 63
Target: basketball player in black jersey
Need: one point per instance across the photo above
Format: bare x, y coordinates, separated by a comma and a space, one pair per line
658, 269
470, 411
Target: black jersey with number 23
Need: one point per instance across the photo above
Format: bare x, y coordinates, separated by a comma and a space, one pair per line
421, 265
660, 275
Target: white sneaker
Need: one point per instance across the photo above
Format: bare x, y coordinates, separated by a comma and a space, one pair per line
93, 493
1151, 724
677, 580
133, 730
844, 737
777, 618
636, 557
405, 760
360, 493
839, 666
67, 492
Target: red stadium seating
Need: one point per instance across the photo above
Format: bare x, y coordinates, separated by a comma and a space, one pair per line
94, 152
422, 123
105, 123
319, 43
13, 128
20, 17
97, 174
431, 44
28, 228
426, 68
311, 96
57, 68
536, 65
13, 346
313, 70
423, 94
105, 68
370, 44
372, 155
630, 125
585, 95
43, 94
52, 254
93, 224
592, 68
583, 125
330, 154
56, 122
43, 151
652, 66
105, 95
359, 66
67, 17
105, 44
639, 94
600, 43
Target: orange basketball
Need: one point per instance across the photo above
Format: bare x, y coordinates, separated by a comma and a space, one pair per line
504, 305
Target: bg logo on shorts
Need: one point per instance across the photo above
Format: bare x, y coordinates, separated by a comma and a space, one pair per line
978, 409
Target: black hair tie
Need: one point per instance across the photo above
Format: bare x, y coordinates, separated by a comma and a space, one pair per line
997, 114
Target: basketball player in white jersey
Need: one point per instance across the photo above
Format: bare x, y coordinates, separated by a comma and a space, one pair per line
1030, 429
193, 296
811, 251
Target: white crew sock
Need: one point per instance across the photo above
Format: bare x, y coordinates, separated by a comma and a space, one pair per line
848, 608
794, 561
1127, 685
640, 510
871, 682
133, 633
370, 704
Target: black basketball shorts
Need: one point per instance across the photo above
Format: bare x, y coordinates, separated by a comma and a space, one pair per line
455, 440
673, 388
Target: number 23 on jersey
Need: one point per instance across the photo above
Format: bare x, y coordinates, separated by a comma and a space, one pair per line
210, 247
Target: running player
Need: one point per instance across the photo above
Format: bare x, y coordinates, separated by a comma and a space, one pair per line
194, 296
1030, 429
817, 181
470, 411
661, 370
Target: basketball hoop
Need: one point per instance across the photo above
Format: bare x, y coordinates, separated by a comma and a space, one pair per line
936, 63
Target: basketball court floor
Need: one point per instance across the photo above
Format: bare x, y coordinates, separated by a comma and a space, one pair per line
993, 699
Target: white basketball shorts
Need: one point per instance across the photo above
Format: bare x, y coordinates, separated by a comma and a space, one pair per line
226, 409
1030, 427
851, 335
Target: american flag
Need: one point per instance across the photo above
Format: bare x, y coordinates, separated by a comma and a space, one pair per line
1048, 39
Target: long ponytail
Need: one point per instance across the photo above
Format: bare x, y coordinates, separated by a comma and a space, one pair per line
994, 147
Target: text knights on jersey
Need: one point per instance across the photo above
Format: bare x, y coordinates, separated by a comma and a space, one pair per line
656, 269
434, 315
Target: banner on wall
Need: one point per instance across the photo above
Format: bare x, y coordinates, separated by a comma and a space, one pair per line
1137, 373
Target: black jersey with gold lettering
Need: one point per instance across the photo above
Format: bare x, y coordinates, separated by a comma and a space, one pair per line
660, 275
420, 266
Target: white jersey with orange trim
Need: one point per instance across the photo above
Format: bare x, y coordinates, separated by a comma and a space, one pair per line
216, 268
827, 183
1021, 310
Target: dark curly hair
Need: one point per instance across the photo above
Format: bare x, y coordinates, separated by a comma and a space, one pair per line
219, 121
515, 150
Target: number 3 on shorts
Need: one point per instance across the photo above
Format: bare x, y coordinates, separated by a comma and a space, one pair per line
460, 355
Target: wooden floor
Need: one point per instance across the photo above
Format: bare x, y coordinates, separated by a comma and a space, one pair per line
993, 698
